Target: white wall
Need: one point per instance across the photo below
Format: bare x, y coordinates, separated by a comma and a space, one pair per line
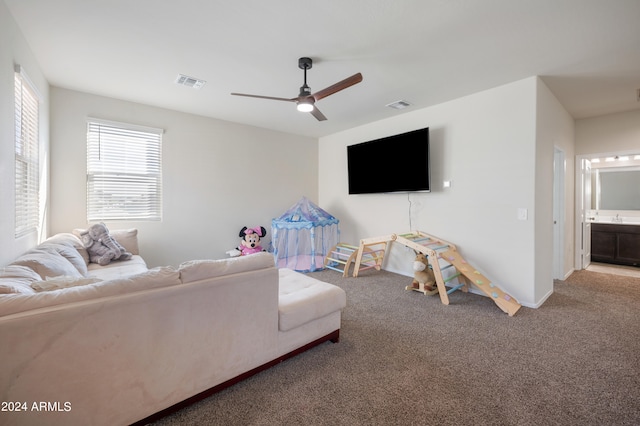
608, 133
217, 176
15, 50
486, 145
554, 129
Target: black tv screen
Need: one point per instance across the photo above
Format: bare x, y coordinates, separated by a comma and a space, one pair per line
398, 163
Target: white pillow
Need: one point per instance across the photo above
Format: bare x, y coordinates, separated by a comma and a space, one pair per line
17, 279
68, 239
64, 281
47, 262
128, 238
68, 252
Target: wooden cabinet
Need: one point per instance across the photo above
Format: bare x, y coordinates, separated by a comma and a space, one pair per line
613, 243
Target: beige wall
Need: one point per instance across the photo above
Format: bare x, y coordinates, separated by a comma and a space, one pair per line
486, 145
611, 133
217, 176
554, 130
15, 50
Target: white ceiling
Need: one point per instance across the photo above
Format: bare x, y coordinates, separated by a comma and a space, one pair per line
422, 51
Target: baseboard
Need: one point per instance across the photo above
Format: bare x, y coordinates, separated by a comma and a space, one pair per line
333, 337
568, 274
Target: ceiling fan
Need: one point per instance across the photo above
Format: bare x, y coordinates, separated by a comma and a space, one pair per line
306, 100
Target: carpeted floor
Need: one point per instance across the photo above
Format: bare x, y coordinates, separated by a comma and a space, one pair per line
406, 359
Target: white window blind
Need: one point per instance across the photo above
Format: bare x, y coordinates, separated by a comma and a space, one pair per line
124, 172
27, 180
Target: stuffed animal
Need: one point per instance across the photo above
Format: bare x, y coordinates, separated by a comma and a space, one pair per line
424, 279
102, 248
250, 241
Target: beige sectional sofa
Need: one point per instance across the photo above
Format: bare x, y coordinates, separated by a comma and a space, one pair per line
122, 344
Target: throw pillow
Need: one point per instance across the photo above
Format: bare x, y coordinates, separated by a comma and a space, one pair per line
47, 263
17, 279
71, 240
68, 252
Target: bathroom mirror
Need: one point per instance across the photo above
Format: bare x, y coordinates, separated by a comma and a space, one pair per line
618, 188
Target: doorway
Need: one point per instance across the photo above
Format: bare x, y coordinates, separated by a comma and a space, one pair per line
584, 213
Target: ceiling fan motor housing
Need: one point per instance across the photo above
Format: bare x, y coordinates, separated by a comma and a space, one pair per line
305, 91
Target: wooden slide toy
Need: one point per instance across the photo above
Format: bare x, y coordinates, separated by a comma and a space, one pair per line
505, 302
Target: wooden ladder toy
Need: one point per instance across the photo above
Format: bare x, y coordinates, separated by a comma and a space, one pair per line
341, 254
371, 253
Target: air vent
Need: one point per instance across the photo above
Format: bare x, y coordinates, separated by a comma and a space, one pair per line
185, 80
398, 104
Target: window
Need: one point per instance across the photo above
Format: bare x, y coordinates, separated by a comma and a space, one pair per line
124, 172
27, 178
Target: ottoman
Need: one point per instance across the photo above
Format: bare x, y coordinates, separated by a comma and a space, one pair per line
303, 299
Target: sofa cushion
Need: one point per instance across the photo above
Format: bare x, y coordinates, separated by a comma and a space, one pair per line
47, 262
195, 270
154, 278
303, 299
17, 279
68, 239
117, 268
128, 238
68, 252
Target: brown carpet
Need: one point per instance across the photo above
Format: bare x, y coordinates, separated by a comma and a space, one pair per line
407, 359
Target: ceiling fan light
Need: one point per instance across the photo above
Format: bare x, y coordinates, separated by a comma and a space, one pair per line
305, 106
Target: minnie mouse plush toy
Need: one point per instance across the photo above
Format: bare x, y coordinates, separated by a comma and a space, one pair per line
250, 242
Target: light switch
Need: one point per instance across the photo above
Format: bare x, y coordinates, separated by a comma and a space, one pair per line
447, 184
522, 214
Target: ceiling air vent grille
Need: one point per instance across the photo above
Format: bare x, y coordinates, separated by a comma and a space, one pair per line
185, 80
398, 104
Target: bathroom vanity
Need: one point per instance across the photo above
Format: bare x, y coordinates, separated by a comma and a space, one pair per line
615, 243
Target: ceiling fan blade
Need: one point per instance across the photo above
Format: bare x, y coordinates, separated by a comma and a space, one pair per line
317, 114
266, 97
341, 85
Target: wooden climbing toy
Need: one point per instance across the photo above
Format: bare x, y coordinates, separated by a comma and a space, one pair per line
371, 253
341, 254
451, 271
505, 302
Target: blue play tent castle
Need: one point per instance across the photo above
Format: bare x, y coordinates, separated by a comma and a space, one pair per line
302, 237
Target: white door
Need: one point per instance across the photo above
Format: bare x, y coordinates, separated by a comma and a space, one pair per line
558, 213
585, 211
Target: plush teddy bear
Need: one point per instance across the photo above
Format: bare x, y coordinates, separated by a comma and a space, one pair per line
250, 241
424, 279
102, 248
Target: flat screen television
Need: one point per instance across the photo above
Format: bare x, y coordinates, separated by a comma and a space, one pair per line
398, 163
